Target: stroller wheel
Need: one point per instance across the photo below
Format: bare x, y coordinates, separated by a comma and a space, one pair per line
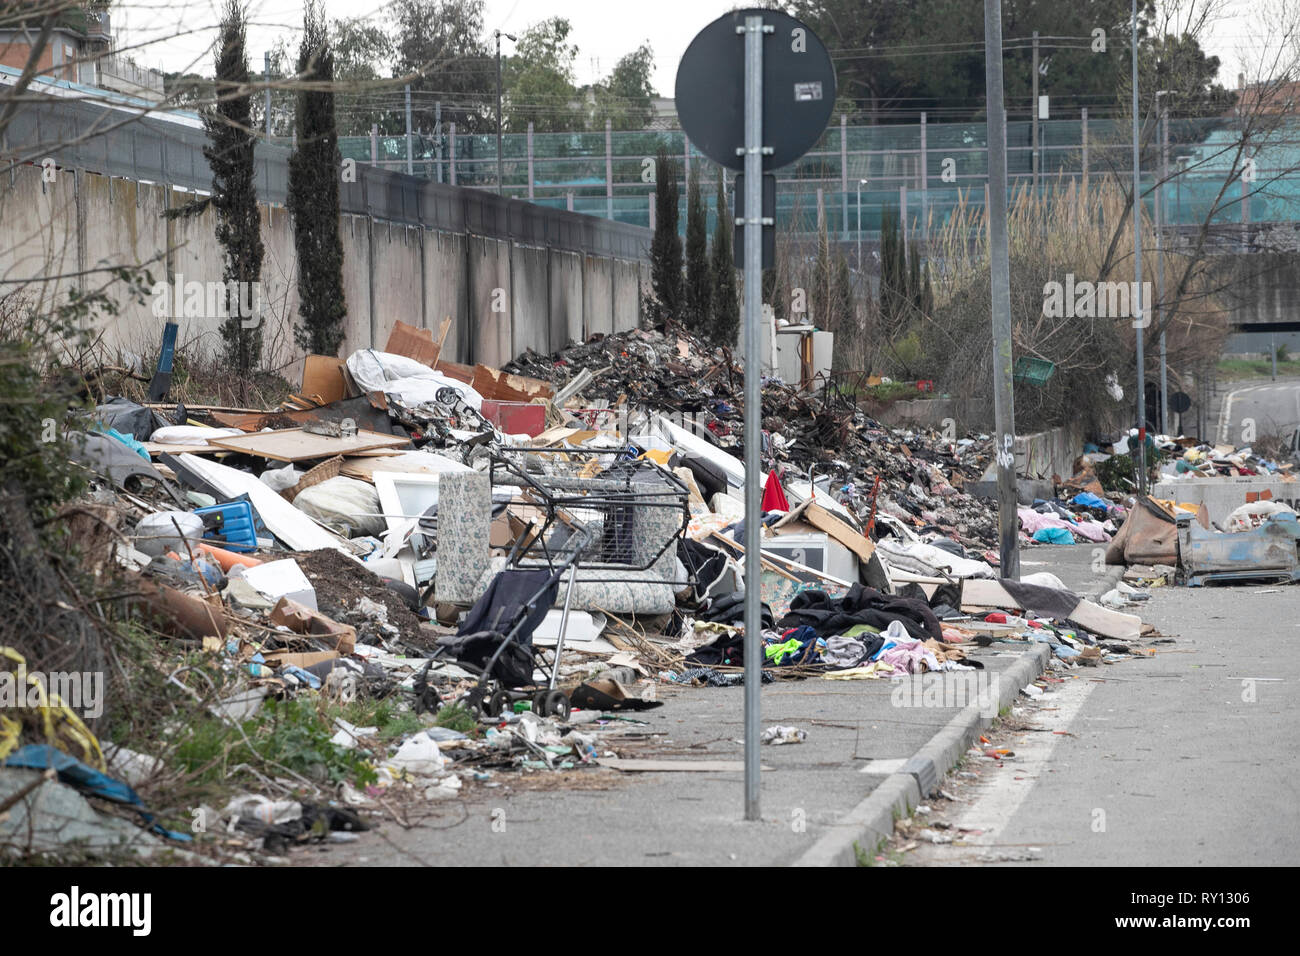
474, 701
497, 702
539, 703
556, 704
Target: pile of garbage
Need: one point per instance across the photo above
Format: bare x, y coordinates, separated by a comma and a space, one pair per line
512, 558
914, 475
1193, 459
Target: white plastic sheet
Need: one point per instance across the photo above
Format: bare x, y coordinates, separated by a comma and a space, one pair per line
410, 381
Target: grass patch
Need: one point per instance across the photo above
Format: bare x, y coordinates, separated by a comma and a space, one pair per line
892, 392
456, 717
1236, 369
293, 734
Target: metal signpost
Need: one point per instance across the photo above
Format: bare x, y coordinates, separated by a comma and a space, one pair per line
755, 90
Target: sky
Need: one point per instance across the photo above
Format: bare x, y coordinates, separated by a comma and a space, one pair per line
178, 35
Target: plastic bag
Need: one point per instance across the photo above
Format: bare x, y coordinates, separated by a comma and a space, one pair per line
347, 505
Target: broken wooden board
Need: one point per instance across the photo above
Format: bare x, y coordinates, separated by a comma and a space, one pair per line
985, 594
322, 379
411, 463
461, 373
294, 444
823, 520
413, 343
160, 448
504, 387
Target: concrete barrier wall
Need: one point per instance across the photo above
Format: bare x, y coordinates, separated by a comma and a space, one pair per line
597, 295
445, 290
1044, 454
566, 298
51, 233
1222, 496
530, 300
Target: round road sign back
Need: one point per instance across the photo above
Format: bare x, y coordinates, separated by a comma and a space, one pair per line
1180, 402
798, 89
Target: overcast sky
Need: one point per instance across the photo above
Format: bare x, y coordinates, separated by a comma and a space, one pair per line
178, 35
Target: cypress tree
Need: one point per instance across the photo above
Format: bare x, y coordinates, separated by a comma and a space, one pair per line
914, 288
314, 171
699, 282
666, 246
229, 152
724, 329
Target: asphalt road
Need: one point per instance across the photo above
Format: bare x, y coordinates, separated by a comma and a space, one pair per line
1272, 407
1187, 758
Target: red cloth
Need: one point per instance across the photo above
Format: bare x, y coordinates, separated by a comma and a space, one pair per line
773, 495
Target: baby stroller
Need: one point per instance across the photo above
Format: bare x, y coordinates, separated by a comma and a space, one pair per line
495, 640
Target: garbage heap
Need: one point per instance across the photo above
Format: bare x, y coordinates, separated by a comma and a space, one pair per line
1214, 514
508, 558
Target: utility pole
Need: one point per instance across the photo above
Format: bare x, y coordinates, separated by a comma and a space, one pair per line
437, 135
410, 159
1004, 411
1160, 260
1033, 110
1139, 315
500, 174
266, 76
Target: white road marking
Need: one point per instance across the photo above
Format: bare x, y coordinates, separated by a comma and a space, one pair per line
1002, 790
1225, 413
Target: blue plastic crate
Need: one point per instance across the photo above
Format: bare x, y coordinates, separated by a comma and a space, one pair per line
237, 530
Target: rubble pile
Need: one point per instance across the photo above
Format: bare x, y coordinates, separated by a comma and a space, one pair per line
826, 435
495, 566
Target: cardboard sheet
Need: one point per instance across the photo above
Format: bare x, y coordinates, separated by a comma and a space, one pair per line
294, 444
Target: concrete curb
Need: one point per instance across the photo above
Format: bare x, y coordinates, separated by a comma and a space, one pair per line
872, 820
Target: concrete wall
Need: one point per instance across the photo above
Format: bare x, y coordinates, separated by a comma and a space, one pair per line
1222, 496
1044, 454
597, 295
566, 298
50, 232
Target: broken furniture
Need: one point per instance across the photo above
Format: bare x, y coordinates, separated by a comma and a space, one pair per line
1270, 552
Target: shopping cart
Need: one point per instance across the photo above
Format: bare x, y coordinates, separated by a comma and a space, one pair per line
495, 641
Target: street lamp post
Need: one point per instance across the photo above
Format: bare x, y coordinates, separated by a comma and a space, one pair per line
1140, 312
861, 183
1160, 258
500, 174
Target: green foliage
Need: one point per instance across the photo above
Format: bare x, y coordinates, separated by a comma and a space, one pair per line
724, 327
538, 81
666, 246
930, 55
229, 152
360, 49
456, 717
1117, 473
699, 278
1236, 369
32, 408
313, 200
896, 295
626, 97
292, 733
443, 42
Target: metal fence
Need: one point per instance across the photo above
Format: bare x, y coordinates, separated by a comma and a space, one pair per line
923, 171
